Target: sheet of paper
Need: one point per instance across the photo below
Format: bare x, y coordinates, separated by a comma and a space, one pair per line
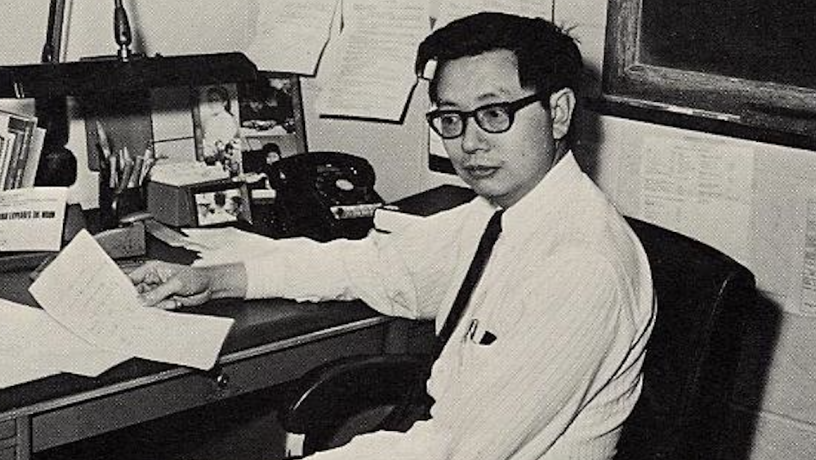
808, 302
435, 145
216, 246
371, 67
697, 186
450, 10
16, 372
291, 35
31, 219
784, 229
86, 292
393, 221
30, 339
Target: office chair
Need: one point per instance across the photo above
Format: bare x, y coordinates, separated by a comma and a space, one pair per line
689, 370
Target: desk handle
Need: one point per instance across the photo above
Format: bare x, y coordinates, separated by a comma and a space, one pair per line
222, 380
219, 376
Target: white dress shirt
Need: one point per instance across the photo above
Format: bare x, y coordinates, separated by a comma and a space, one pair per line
567, 295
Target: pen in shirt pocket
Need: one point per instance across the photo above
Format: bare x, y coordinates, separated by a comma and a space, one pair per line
478, 335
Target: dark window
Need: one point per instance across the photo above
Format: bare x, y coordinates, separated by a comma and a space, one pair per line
745, 68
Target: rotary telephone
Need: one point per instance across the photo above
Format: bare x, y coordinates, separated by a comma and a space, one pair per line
323, 196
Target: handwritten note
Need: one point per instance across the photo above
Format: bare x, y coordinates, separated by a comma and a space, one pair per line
86, 292
371, 73
291, 34
31, 219
32, 341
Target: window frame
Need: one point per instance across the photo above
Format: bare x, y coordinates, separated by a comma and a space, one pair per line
764, 111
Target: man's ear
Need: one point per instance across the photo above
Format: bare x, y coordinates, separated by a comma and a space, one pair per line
562, 106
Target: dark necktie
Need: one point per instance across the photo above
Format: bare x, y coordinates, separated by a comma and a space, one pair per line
489, 237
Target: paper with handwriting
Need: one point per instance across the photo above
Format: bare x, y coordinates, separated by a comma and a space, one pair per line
34, 344
86, 292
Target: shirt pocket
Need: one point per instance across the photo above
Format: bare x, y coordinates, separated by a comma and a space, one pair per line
479, 348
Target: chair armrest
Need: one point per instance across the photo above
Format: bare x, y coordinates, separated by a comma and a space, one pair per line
328, 395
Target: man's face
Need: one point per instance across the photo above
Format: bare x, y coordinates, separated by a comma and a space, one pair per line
502, 167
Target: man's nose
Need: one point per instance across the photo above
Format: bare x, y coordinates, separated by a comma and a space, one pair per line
473, 136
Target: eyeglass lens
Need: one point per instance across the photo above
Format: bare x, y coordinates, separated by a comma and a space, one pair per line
492, 118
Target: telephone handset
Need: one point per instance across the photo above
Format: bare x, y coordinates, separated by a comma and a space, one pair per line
323, 195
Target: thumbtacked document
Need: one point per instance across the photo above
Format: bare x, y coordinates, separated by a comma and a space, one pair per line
84, 290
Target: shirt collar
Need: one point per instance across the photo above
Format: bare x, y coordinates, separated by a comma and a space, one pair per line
544, 198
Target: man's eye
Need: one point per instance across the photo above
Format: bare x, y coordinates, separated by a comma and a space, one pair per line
493, 113
448, 119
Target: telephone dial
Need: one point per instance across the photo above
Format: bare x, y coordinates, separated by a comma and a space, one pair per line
323, 196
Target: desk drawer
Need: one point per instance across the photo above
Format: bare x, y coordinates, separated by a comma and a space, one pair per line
157, 399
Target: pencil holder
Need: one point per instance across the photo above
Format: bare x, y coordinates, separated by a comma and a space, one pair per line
115, 204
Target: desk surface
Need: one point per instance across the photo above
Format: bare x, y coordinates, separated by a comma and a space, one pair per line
272, 342
258, 325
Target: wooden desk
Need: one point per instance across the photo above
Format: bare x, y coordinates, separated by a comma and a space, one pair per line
272, 341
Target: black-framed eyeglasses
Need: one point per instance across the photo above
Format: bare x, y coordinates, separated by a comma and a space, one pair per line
492, 118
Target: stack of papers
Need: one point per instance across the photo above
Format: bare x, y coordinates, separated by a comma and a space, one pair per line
187, 173
92, 320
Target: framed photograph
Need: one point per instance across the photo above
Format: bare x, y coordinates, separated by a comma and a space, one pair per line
217, 127
221, 204
271, 119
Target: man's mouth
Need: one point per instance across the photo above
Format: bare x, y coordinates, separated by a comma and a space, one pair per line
481, 171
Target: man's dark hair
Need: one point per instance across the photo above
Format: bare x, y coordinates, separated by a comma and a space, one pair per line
548, 58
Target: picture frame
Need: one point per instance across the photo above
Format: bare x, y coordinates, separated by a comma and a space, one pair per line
271, 119
220, 204
216, 126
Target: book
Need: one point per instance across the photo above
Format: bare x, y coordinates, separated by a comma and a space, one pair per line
33, 160
21, 130
25, 127
11, 161
5, 157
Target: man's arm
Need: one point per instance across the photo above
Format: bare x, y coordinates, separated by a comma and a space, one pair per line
403, 274
172, 286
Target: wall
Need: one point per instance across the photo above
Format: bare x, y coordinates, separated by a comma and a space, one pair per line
194, 26
784, 412
777, 381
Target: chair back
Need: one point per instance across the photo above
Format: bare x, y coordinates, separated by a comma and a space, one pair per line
691, 362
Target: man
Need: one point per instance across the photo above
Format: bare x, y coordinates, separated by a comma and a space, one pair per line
545, 362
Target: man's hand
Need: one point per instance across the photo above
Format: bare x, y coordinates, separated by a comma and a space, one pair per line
171, 286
